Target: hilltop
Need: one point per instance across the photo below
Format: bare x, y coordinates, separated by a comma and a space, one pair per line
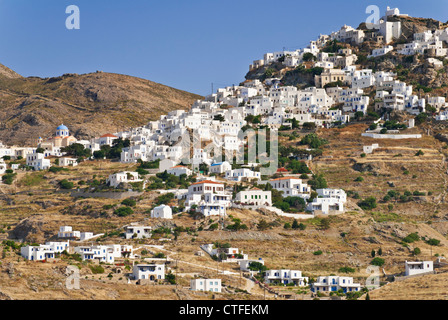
92, 103
413, 69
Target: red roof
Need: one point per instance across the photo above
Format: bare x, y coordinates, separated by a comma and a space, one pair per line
108, 135
206, 181
283, 178
282, 170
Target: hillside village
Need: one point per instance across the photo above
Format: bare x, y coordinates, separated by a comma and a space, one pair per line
287, 186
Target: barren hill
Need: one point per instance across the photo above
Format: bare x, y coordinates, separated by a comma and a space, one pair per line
90, 104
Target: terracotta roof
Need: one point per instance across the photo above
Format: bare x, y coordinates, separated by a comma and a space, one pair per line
108, 135
284, 178
282, 170
178, 167
206, 181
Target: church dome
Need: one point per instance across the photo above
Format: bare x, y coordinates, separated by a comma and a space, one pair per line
62, 127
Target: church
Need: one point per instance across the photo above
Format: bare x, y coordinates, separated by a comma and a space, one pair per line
53, 145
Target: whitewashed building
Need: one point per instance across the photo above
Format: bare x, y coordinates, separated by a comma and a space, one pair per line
212, 285
149, 271
255, 197
291, 186
44, 252
418, 267
137, 232
162, 212
115, 179
286, 277
37, 161
334, 283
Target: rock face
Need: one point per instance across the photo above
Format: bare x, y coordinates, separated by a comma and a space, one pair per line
33, 229
369, 167
89, 104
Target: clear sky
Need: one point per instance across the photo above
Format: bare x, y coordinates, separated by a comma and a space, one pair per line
185, 44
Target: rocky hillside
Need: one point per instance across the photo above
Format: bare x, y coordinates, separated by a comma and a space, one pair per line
90, 104
413, 70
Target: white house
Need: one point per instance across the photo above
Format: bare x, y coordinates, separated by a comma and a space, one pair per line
149, 271
137, 232
44, 252
107, 139
245, 264
334, 283
122, 177
65, 162
220, 167
380, 52
419, 267
209, 196
179, 170
67, 232
213, 285
255, 197
104, 253
369, 149
166, 164
242, 174
162, 212
285, 277
291, 186
328, 201
37, 161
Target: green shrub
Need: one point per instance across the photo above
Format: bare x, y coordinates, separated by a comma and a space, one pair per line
96, 269
65, 184
411, 238
123, 211
377, 261
129, 202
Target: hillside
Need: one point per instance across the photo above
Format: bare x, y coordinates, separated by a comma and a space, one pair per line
33, 107
414, 70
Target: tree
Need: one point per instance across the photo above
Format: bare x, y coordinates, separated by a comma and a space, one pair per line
295, 224
380, 252
419, 153
40, 150
77, 150
324, 223
65, 184
171, 278
421, 118
368, 203
359, 115
373, 253
123, 211
416, 251
129, 202
219, 117
99, 154
262, 225
318, 182
308, 56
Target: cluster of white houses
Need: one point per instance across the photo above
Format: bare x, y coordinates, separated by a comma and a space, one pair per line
220, 116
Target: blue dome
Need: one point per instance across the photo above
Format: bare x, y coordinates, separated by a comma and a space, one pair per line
62, 127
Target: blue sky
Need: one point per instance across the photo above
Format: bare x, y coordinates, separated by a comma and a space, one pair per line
186, 44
